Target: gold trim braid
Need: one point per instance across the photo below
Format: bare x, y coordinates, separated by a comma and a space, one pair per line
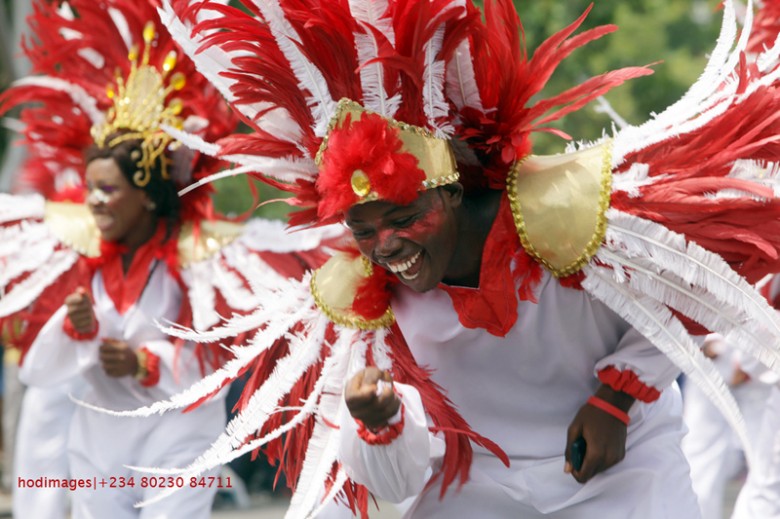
559, 205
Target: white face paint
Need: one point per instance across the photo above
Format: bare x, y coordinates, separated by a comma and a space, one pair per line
98, 196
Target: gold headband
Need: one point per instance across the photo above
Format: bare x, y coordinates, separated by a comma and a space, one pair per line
140, 108
434, 155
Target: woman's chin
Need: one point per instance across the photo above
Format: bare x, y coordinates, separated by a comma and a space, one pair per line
419, 283
109, 235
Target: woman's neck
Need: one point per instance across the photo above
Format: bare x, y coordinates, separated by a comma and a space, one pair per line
144, 232
475, 219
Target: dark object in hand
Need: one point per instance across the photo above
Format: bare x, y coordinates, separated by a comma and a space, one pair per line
577, 454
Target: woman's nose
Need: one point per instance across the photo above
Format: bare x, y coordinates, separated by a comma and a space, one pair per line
97, 196
388, 244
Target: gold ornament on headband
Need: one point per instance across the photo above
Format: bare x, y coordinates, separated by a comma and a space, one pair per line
140, 109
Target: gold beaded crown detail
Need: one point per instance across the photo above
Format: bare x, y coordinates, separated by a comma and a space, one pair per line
140, 109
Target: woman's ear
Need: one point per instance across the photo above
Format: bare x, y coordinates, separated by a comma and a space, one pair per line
147, 201
453, 192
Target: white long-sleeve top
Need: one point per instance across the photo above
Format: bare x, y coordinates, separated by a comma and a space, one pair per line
103, 446
55, 357
522, 391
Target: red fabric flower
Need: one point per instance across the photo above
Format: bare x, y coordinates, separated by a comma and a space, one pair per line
375, 148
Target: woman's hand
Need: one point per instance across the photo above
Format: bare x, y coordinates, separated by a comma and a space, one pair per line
80, 312
604, 435
118, 358
371, 399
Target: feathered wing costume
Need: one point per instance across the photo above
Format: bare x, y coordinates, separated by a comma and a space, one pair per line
92, 58
667, 223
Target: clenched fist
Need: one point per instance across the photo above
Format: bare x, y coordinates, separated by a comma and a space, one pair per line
80, 311
118, 358
371, 399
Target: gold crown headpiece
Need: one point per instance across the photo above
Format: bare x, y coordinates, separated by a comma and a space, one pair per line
140, 108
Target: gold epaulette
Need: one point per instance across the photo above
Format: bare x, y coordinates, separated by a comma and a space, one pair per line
334, 286
559, 204
212, 236
75, 227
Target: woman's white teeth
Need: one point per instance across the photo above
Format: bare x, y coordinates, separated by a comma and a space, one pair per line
403, 266
407, 276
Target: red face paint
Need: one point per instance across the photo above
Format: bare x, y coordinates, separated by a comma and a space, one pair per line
416, 242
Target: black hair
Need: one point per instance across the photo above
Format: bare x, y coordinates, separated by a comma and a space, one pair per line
162, 192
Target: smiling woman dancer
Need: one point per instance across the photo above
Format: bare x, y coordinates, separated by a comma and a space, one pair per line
149, 255
496, 308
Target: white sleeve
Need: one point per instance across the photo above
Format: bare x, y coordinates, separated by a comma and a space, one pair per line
637, 367
397, 470
54, 357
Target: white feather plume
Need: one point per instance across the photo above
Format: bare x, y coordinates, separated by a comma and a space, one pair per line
372, 78
310, 78
25, 292
695, 302
80, 97
656, 322
33, 254
209, 62
274, 236
19, 207
462, 87
639, 238
322, 450
434, 101
263, 403
769, 59
272, 324
202, 295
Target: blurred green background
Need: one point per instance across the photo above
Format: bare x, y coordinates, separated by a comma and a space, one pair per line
674, 35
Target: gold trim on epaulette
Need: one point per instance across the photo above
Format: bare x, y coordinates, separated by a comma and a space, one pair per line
559, 206
212, 237
333, 287
74, 225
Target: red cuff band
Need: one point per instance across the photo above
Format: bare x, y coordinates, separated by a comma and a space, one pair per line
383, 436
628, 382
148, 368
609, 408
71, 332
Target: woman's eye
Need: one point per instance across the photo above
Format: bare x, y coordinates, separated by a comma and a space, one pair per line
361, 234
403, 222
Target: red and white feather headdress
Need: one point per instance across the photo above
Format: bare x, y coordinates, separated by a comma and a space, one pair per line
104, 66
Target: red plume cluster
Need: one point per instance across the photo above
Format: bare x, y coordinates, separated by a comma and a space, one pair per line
375, 148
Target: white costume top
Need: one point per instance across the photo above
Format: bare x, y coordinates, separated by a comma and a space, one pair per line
100, 445
523, 391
